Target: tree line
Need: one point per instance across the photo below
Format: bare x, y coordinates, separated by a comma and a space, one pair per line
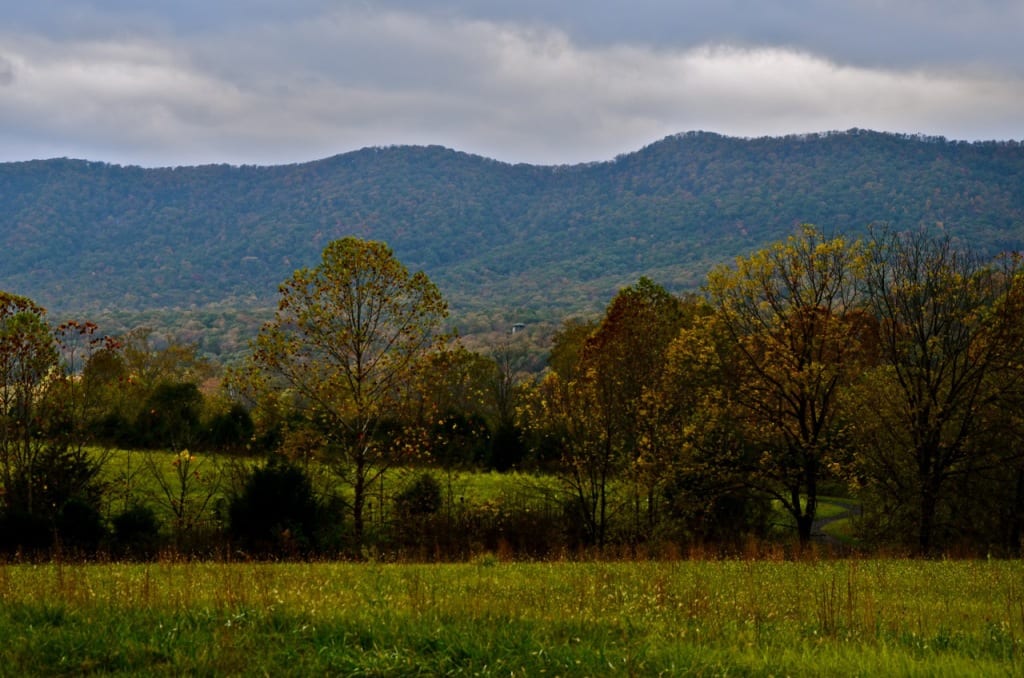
885, 370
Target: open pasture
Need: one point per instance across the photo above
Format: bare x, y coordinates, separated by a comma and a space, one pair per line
852, 617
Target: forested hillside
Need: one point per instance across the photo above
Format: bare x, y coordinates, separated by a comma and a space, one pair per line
538, 242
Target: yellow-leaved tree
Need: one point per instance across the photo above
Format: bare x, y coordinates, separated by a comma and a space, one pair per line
343, 346
794, 336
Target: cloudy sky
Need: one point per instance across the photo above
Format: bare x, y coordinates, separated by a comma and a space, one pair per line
543, 81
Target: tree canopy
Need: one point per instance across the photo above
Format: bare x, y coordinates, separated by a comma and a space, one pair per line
345, 340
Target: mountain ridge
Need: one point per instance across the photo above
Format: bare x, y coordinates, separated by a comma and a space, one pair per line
82, 236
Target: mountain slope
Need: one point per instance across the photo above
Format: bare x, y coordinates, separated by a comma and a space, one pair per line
93, 238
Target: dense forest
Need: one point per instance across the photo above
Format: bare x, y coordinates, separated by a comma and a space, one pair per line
201, 250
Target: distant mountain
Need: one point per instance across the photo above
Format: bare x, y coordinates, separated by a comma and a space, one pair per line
86, 237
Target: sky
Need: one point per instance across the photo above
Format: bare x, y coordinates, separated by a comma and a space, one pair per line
156, 83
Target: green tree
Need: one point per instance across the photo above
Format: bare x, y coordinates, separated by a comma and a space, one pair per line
566, 435
49, 479
345, 340
567, 347
151, 361
230, 428
276, 512
451, 406
507, 386
106, 378
77, 399
170, 417
950, 341
187, 486
479, 394
566, 418
28, 358
146, 391
713, 475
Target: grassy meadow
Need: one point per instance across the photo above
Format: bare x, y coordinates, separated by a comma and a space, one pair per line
488, 617
131, 477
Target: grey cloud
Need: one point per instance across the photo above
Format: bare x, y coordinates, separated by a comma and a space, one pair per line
890, 33
6, 72
263, 81
906, 33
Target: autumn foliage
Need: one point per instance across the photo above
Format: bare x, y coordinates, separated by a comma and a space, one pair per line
883, 373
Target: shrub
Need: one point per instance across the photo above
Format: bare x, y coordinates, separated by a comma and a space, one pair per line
276, 512
421, 498
21, 531
80, 528
231, 431
136, 533
171, 416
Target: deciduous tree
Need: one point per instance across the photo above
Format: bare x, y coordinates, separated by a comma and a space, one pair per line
622, 359
345, 338
28, 358
951, 339
796, 337
591, 404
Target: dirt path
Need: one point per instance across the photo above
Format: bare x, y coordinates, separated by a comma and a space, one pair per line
850, 510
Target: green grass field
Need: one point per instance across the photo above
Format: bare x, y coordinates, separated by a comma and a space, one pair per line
133, 477
871, 617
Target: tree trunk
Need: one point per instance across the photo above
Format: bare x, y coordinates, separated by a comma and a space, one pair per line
926, 526
809, 512
1017, 517
804, 524
358, 502
804, 513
